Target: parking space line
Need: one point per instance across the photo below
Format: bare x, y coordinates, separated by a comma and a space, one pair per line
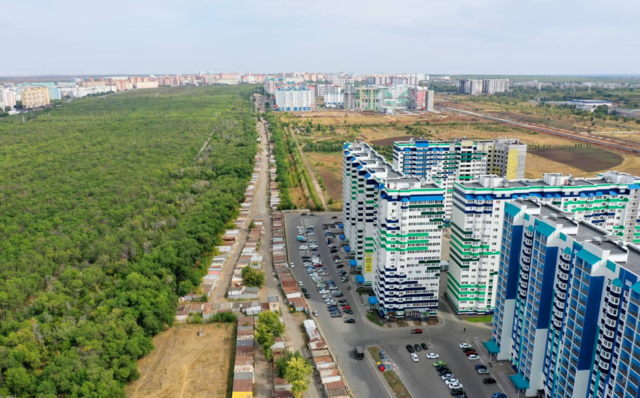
481, 360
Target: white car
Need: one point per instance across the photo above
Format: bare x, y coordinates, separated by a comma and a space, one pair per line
304, 247
447, 376
432, 355
454, 386
323, 291
293, 265
451, 381
415, 357
300, 283
473, 357
315, 313
465, 345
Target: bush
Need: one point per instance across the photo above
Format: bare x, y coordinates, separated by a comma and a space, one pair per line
224, 317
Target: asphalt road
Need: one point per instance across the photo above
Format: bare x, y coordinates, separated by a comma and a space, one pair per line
420, 377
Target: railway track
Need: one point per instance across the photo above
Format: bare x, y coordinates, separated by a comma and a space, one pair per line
545, 130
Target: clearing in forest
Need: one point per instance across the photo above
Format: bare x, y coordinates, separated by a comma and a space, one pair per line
185, 365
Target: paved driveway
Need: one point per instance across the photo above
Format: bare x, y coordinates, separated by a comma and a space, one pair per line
342, 338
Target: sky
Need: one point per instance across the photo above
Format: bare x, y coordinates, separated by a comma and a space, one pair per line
508, 37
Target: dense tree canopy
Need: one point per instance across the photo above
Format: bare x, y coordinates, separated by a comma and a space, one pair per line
107, 207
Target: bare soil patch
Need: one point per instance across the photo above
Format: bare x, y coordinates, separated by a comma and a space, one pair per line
389, 141
185, 365
586, 159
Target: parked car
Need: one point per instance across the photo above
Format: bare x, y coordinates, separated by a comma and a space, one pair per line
424, 346
415, 357
465, 345
307, 295
447, 376
452, 380
349, 320
432, 355
315, 313
300, 283
348, 312
454, 386
440, 363
499, 395
473, 357
468, 349
417, 347
470, 353
483, 371
489, 380
416, 331
410, 349
478, 366
340, 266
304, 247
458, 392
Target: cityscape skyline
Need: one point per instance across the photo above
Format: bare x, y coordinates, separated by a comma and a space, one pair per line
497, 37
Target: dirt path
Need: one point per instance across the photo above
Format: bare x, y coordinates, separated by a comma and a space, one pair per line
316, 185
256, 209
294, 338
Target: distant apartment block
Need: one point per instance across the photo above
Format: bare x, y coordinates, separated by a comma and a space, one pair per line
446, 162
7, 98
421, 98
393, 224
144, 85
35, 97
609, 201
294, 99
349, 100
485, 86
54, 93
567, 304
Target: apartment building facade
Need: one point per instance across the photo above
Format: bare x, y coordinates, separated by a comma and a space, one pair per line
582, 340
446, 162
393, 224
294, 99
35, 97
609, 201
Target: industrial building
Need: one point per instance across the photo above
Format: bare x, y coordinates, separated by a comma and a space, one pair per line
393, 225
567, 304
446, 162
609, 201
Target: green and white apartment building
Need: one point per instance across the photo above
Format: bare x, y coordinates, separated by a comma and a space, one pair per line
609, 201
393, 224
446, 162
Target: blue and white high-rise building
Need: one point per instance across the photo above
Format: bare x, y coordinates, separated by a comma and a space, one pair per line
567, 305
609, 201
393, 224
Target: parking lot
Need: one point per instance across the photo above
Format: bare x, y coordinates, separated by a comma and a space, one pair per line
342, 338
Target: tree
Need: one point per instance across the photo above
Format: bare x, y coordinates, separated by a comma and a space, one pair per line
283, 362
298, 375
252, 277
19, 381
268, 324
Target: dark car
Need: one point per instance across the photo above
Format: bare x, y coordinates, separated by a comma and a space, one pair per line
307, 295
306, 257
417, 347
468, 349
334, 217
340, 266
334, 250
410, 348
304, 290
424, 346
444, 371
457, 392
480, 366
499, 395
489, 380
348, 312
349, 320
303, 214
342, 301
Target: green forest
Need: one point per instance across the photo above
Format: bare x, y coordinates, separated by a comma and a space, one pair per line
108, 208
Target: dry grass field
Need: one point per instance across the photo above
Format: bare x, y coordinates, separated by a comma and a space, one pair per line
184, 365
383, 130
328, 167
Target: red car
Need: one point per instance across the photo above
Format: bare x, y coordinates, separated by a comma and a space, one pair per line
471, 353
416, 331
346, 307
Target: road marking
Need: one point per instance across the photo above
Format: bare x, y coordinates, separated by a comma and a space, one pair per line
481, 360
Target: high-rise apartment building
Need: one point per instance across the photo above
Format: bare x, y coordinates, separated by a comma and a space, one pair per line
567, 304
421, 98
7, 98
485, 86
270, 85
294, 99
54, 93
393, 224
459, 160
609, 201
35, 97
349, 100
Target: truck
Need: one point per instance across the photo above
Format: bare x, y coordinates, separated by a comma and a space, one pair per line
359, 352
301, 238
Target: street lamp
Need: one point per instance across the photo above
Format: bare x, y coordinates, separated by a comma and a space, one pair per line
429, 331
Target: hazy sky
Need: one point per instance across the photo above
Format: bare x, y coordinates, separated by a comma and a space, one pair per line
366, 36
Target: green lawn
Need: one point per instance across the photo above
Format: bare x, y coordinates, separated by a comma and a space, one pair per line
484, 318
